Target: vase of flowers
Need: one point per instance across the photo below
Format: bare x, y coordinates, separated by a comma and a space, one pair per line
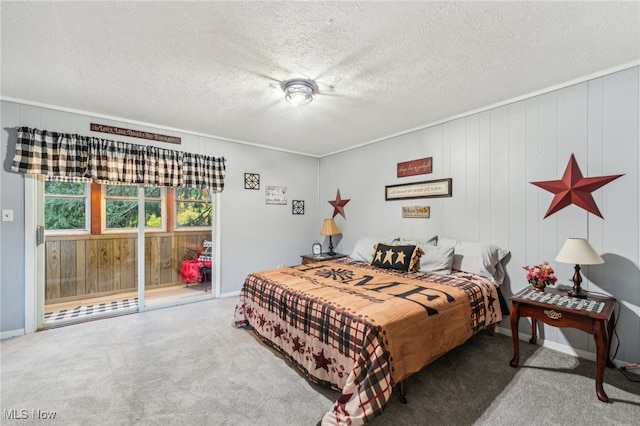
540, 276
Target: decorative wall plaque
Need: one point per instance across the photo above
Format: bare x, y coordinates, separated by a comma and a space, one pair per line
275, 194
251, 181
102, 128
422, 212
426, 189
297, 207
421, 166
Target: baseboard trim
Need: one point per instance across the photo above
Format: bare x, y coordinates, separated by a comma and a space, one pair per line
11, 333
590, 356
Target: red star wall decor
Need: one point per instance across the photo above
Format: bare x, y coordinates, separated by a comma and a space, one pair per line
574, 189
338, 205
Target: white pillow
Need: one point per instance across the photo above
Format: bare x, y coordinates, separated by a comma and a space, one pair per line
436, 260
419, 242
477, 258
365, 246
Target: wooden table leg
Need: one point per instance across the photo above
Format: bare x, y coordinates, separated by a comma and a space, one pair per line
534, 331
602, 349
610, 324
514, 317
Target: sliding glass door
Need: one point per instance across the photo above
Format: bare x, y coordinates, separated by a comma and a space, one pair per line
117, 249
177, 264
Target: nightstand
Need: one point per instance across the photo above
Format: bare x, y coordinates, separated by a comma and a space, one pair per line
594, 315
313, 258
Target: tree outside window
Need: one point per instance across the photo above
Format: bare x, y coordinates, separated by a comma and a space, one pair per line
68, 208
193, 208
65, 206
121, 207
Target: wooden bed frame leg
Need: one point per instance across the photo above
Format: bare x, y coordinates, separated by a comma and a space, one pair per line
401, 387
491, 328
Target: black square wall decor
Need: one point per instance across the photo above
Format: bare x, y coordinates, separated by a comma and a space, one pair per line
297, 207
251, 181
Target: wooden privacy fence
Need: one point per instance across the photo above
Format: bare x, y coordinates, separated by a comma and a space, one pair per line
84, 266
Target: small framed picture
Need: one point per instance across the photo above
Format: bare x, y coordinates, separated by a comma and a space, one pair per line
297, 207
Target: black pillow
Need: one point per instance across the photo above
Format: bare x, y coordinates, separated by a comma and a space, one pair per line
402, 258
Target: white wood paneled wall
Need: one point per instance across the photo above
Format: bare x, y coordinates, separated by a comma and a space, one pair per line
492, 157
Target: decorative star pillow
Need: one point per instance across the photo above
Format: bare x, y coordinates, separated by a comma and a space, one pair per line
402, 258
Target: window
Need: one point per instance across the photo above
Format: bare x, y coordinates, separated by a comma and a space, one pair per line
70, 207
66, 206
120, 210
193, 208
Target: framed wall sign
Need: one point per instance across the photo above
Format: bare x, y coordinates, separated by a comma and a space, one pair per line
425, 189
103, 128
422, 212
275, 194
421, 166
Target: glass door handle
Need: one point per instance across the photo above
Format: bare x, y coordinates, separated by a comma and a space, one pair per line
39, 235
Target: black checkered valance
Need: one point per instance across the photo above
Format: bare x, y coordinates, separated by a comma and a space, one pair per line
68, 157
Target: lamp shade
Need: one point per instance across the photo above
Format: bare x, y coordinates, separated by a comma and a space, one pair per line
329, 227
579, 252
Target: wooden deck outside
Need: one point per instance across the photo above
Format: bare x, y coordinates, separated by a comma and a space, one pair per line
87, 266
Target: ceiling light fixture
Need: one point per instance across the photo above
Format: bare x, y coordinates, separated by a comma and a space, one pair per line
299, 92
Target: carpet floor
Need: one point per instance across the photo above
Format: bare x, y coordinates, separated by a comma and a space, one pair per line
189, 365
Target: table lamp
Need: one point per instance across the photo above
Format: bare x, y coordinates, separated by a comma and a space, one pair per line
578, 251
330, 228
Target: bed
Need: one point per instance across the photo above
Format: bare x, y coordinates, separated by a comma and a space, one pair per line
363, 326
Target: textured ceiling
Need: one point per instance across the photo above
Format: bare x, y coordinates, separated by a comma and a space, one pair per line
382, 68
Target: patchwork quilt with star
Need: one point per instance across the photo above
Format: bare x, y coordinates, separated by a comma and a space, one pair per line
362, 329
